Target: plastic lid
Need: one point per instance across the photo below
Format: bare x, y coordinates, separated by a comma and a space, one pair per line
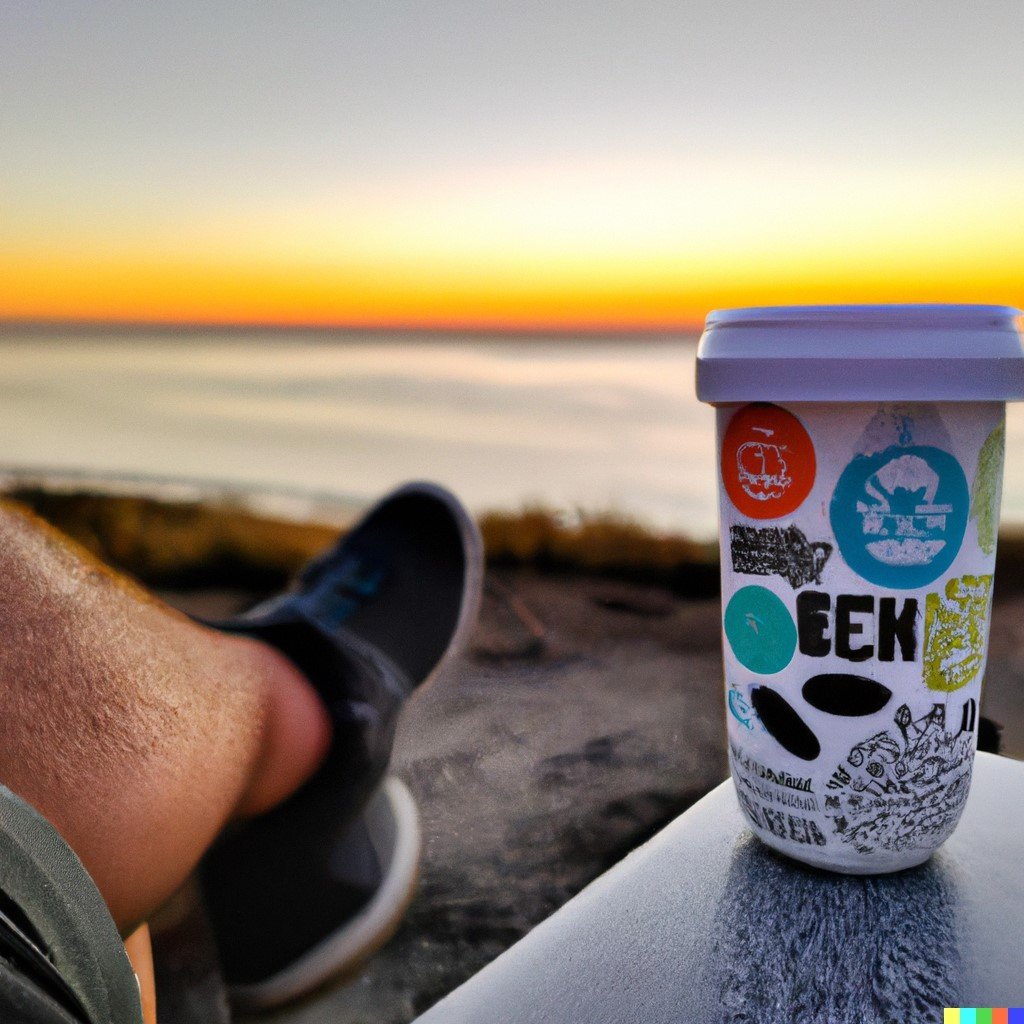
861, 353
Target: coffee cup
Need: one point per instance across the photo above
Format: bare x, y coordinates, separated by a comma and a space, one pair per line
860, 463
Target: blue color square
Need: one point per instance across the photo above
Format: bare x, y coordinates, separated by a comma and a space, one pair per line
1016, 1015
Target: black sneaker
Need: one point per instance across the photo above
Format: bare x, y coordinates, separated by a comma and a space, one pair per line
309, 890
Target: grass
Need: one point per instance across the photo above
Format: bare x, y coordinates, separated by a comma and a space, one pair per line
196, 544
601, 544
180, 544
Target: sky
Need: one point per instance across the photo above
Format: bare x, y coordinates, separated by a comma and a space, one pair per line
452, 163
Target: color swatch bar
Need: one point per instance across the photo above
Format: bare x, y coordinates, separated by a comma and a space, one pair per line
983, 1015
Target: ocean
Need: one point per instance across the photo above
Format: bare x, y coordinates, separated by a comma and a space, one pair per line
319, 425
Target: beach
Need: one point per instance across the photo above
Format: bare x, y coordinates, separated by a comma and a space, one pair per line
314, 425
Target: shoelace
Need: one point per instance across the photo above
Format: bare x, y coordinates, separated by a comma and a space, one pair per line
341, 593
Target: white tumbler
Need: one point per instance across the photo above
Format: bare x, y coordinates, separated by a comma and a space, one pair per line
860, 461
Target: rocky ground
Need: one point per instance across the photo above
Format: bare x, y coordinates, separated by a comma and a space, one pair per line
585, 715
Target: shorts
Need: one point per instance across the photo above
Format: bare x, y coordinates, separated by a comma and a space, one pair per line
62, 960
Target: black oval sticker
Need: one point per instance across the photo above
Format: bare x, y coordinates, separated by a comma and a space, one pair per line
781, 720
838, 693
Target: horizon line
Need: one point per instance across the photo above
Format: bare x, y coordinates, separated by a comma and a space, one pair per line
89, 325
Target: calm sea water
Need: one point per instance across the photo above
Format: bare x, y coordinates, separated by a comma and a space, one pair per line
307, 425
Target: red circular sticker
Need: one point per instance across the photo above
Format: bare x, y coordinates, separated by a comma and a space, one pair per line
768, 461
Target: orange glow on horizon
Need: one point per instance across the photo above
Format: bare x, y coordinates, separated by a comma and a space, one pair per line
659, 297
613, 247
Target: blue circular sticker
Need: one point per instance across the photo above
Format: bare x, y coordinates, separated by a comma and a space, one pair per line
899, 515
760, 630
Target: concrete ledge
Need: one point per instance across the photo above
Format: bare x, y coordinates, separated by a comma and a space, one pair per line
703, 923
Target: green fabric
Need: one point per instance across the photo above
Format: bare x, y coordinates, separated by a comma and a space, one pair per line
23, 1001
42, 875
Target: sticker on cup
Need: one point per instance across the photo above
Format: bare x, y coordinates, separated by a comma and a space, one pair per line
985, 490
955, 627
768, 462
784, 723
899, 788
740, 709
778, 551
760, 630
900, 515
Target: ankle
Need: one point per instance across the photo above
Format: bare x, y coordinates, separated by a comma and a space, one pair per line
296, 734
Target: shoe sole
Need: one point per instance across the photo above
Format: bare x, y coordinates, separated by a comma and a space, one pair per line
393, 825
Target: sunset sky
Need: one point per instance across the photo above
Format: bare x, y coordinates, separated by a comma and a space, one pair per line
537, 164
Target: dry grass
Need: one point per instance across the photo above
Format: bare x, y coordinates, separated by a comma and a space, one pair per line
603, 544
180, 543
203, 544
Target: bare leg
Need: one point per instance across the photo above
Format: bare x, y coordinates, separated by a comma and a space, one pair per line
137, 733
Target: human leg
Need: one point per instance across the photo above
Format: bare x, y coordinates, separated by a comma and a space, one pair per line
138, 733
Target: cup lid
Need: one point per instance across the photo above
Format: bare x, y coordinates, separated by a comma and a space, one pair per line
862, 353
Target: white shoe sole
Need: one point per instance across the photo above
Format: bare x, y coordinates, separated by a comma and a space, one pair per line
393, 824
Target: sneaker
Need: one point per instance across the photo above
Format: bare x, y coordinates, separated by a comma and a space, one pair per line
307, 891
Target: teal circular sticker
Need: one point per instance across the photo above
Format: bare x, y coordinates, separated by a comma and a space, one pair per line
899, 516
760, 630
